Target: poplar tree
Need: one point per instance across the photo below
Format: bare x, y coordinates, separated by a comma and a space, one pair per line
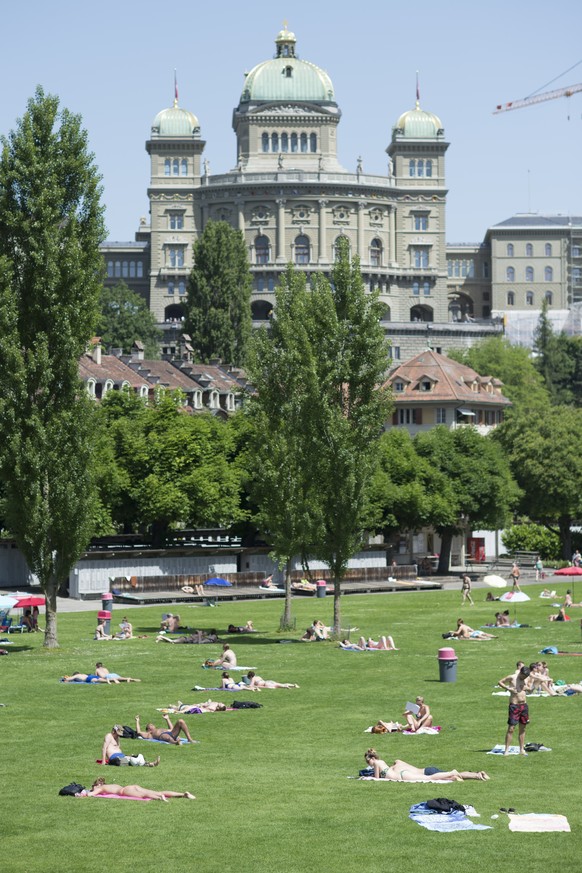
51, 225
219, 295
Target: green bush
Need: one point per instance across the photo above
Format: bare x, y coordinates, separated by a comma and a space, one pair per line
532, 538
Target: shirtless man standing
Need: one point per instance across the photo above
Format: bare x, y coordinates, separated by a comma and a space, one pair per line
167, 735
517, 684
111, 751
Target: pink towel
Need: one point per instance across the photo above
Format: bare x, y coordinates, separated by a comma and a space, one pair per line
122, 797
535, 822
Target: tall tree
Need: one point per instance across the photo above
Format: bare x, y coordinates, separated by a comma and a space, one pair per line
522, 382
125, 318
51, 225
219, 295
334, 355
553, 360
481, 492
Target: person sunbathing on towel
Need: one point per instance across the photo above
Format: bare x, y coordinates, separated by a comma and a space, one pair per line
257, 682
193, 708
109, 677
386, 643
423, 718
168, 735
356, 647
464, 632
400, 771
229, 683
102, 787
197, 637
89, 678
242, 629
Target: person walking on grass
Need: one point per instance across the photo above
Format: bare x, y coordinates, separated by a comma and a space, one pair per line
514, 576
466, 589
517, 684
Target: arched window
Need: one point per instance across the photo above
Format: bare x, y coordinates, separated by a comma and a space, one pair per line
548, 250
175, 167
171, 287
303, 142
91, 387
110, 269
510, 298
284, 142
132, 269
167, 167
549, 297
385, 312
265, 142
139, 270
426, 289
184, 167
529, 251
261, 249
529, 274
174, 312
313, 142
529, 298
420, 167
261, 310
125, 269
412, 168
416, 288
420, 312
510, 274
293, 142
260, 284
548, 274
301, 249
510, 250
118, 269
376, 253
181, 287
274, 142
429, 168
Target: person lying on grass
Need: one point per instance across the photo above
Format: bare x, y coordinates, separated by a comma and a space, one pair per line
109, 677
400, 771
229, 683
242, 628
197, 637
102, 787
89, 678
193, 708
364, 645
464, 632
168, 735
256, 683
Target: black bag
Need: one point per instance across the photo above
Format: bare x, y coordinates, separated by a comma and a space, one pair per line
367, 771
443, 804
246, 704
533, 747
129, 733
71, 789
447, 636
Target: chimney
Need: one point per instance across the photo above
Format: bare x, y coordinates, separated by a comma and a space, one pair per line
96, 353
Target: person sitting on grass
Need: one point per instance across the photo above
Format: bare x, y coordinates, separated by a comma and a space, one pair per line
126, 630
502, 619
559, 616
167, 735
100, 633
257, 682
100, 787
464, 632
197, 637
109, 677
112, 754
171, 624
400, 771
227, 659
418, 720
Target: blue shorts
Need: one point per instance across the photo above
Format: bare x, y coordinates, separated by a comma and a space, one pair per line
430, 771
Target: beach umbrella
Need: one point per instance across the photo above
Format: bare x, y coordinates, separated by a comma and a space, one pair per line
494, 581
7, 601
514, 597
569, 571
28, 600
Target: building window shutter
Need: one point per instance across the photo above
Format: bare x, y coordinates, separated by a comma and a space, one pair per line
395, 417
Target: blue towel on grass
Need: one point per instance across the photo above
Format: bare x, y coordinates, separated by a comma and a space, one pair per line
183, 741
443, 822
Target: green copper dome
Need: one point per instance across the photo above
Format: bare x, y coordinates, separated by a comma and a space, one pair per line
287, 78
418, 124
175, 122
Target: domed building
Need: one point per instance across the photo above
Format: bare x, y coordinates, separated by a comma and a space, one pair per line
292, 198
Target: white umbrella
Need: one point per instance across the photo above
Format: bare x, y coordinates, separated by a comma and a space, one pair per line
7, 601
514, 597
494, 581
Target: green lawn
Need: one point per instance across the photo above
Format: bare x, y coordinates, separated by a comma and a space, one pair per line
271, 784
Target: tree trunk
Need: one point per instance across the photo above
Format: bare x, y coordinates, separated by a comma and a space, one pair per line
50, 632
287, 611
566, 537
445, 555
337, 606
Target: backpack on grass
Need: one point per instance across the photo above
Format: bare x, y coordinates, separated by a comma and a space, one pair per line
246, 704
72, 789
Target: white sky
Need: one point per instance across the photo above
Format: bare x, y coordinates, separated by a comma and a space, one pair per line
114, 62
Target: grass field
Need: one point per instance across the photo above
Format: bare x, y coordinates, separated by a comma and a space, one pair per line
272, 784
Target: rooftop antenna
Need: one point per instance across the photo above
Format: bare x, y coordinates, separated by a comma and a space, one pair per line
175, 89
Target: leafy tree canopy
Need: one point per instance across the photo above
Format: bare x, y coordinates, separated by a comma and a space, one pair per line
125, 318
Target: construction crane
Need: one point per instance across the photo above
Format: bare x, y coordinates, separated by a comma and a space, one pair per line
538, 98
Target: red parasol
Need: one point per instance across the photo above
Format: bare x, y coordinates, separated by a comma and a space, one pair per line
569, 571
29, 600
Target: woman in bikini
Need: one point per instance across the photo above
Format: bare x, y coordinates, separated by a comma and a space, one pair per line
385, 643
400, 771
101, 787
257, 682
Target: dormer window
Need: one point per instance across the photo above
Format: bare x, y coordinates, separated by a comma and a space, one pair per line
288, 72
425, 385
399, 387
